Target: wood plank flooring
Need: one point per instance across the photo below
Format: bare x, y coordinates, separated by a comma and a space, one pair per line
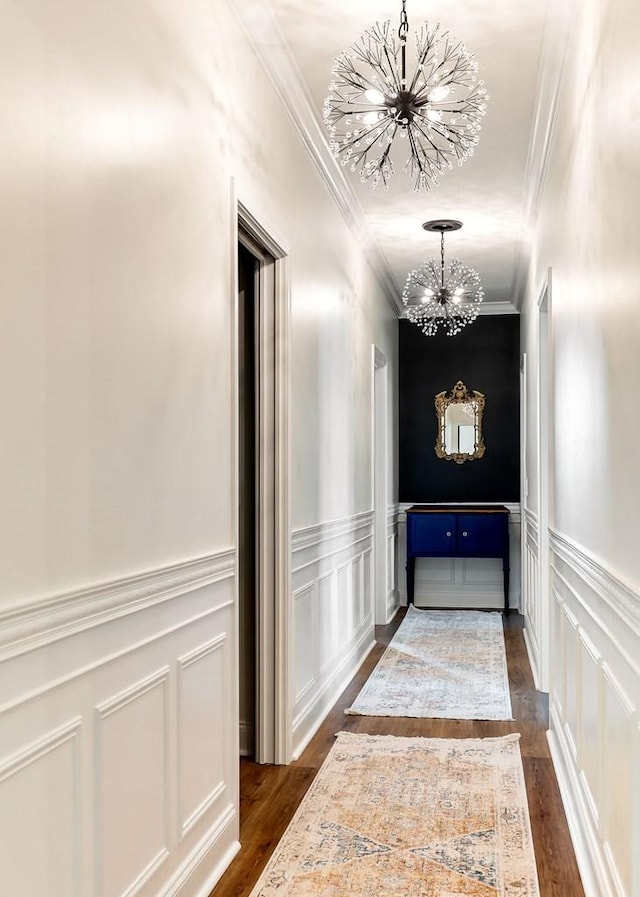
269, 795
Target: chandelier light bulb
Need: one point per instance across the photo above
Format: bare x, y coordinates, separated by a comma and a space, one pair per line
439, 93
426, 90
374, 96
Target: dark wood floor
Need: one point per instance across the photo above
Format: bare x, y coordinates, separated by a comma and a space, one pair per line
269, 795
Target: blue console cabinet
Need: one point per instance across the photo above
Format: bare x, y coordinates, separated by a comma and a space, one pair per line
435, 531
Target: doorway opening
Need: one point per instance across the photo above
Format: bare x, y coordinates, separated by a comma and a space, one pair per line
262, 519
248, 278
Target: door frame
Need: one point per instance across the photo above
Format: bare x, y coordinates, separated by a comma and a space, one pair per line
543, 428
273, 742
380, 485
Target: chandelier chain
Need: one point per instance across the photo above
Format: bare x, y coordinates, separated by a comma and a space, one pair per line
403, 30
442, 257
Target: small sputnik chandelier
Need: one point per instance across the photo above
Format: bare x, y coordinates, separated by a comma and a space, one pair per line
438, 296
372, 101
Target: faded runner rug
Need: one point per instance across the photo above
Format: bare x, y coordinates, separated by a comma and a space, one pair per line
409, 817
441, 663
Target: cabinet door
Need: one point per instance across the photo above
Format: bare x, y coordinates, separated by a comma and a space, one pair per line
481, 535
431, 535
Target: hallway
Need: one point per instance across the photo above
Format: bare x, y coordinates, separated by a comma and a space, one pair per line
270, 795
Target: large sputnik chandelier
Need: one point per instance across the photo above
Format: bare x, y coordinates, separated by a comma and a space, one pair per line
439, 296
437, 110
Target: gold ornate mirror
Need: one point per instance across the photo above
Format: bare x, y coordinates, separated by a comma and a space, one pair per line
459, 424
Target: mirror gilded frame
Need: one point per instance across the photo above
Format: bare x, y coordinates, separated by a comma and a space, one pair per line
459, 417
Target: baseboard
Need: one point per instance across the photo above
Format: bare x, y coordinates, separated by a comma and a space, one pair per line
533, 658
309, 720
196, 878
393, 603
588, 848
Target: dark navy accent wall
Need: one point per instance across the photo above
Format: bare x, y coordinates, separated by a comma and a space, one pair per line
486, 357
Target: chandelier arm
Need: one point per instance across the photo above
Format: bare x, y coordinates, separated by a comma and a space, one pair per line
422, 58
440, 157
374, 139
393, 70
418, 122
415, 155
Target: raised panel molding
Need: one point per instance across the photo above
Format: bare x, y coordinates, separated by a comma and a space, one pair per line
119, 784
324, 533
620, 720
31, 860
116, 660
305, 662
530, 589
333, 617
199, 744
594, 718
29, 626
621, 597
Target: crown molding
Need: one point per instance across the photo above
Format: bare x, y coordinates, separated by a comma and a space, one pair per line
259, 25
550, 73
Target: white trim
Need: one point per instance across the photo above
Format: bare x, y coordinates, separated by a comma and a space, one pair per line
199, 861
544, 437
102, 712
329, 554
307, 721
621, 597
273, 735
29, 626
379, 482
183, 663
584, 836
259, 24
312, 536
35, 750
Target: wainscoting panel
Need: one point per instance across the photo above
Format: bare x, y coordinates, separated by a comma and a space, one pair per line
46, 847
118, 736
134, 781
333, 615
460, 582
305, 612
531, 589
595, 693
202, 748
393, 596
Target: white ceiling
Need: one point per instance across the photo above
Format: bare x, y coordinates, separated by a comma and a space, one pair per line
489, 193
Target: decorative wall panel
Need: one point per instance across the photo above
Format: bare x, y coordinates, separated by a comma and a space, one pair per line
333, 615
137, 764
594, 704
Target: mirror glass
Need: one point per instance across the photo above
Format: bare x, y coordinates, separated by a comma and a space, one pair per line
460, 424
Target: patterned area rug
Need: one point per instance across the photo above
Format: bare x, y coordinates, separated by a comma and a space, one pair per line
409, 817
448, 664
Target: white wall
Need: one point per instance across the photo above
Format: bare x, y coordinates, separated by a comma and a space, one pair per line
124, 125
588, 232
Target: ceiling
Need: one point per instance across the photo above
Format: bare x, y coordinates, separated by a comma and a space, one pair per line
490, 193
